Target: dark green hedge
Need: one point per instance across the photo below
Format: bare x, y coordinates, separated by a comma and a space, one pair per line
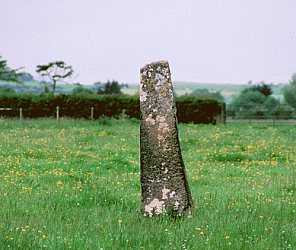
190, 109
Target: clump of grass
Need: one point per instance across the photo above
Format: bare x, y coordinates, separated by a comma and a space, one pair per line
233, 157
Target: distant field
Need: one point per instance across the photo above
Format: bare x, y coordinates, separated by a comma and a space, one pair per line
35, 87
76, 184
228, 91
13, 84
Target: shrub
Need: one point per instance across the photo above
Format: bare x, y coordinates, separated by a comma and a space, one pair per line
190, 108
193, 109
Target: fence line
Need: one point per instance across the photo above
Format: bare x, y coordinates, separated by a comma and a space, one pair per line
21, 115
261, 120
57, 113
224, 117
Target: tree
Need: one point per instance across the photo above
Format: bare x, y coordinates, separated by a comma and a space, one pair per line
262, 87
289, 92
254, 101
112, 88
108, 88
55, 71
8, 74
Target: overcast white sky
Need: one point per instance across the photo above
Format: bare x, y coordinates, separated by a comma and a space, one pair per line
218, 41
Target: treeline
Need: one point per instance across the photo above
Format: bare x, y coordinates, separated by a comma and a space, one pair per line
43, 87
256, 101
190, 109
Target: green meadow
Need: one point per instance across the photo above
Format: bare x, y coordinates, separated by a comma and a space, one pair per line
75, 184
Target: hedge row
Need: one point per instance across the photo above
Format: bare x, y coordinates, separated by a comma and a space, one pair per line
190, 109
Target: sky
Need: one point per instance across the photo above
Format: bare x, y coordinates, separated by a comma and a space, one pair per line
207, 41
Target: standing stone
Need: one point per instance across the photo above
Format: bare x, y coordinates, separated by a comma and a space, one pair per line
163, 178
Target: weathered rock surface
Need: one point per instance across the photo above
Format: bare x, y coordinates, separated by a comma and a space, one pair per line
163, 178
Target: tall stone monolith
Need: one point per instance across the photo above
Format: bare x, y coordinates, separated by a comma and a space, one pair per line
163, 178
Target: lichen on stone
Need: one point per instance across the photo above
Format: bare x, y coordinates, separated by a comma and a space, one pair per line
163, 127
150, 120
155, 206
165, 191
143, 96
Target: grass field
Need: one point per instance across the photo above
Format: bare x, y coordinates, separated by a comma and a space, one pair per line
75, 184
